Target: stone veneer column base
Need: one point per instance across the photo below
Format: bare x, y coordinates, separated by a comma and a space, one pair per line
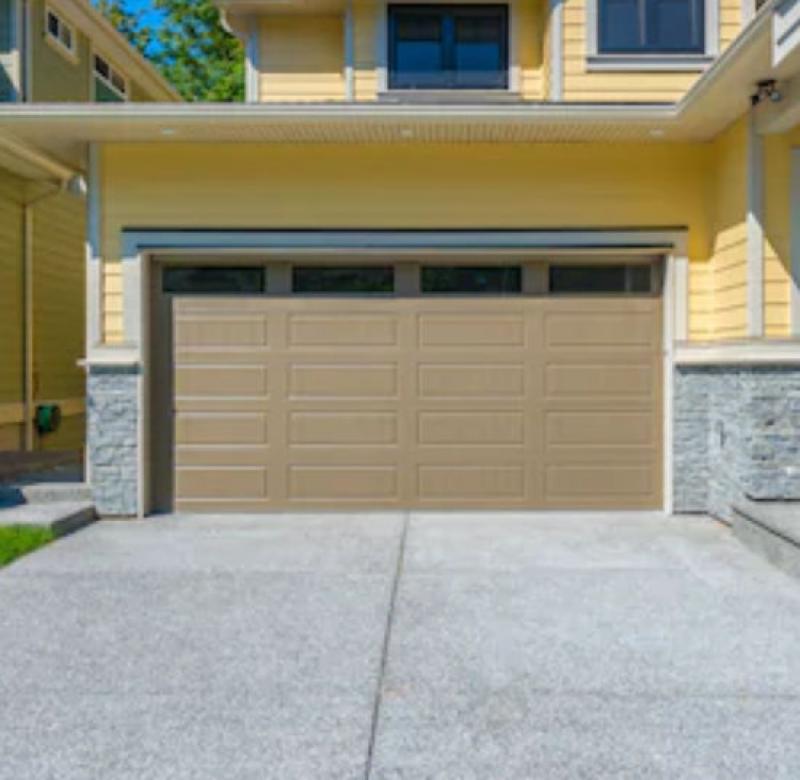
112, 402
736, 436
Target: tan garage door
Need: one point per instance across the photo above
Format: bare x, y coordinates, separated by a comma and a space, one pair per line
412, 402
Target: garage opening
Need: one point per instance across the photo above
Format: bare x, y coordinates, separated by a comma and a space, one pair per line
463, 384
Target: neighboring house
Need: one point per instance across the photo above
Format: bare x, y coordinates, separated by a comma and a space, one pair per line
64, 52
505, 255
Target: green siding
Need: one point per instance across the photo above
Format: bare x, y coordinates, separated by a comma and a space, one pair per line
59, 296
56, 77
11, 287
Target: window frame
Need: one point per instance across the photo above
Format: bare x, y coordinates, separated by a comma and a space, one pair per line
56, 41
386, 56
107, 82
597, 60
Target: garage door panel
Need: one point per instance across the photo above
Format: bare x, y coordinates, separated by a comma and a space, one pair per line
216, 331
343, 428
227, 456
222, 381
465, 483
600, 382
471, 380
598, 482
342, 330
360, 481
471, 331
222, 428
618, 331
223, 483
470, 427
593, 428
344, 381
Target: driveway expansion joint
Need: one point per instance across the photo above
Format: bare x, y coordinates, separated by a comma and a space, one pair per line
387, 639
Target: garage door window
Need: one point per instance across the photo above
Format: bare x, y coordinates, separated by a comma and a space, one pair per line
600, 279
343, 280
471, 280
208, 280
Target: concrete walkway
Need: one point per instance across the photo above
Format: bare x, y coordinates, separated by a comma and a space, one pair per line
387, 646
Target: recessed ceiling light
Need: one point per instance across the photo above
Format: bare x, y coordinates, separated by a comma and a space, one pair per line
657, 132
406, 132
168, 131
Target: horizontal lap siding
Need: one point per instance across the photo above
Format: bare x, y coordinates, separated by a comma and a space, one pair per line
582, 85
302, 58
364, 50
530, 21
59, 294
728, 264
366, 186
777, 231
11, 287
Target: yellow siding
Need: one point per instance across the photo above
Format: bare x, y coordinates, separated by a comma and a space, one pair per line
582, 85
530, 23
777, 231
727, 281
402, 186
302, 58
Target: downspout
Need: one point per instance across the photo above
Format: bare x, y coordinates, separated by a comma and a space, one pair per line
28, 208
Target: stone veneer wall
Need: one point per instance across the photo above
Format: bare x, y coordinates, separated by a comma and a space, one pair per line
112, 418
736, 436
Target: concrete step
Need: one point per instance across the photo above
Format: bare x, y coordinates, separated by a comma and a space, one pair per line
61, 518
44, 493
771, 529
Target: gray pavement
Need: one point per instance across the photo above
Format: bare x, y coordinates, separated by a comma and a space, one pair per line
392, 646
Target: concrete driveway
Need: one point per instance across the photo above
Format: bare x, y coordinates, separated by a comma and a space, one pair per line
393, 646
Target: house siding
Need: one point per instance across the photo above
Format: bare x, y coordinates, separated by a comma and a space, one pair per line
582, 85
302, 58
397, 186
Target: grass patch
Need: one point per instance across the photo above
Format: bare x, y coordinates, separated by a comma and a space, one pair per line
19, 540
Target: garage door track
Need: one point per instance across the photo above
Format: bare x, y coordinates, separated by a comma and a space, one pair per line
399, 646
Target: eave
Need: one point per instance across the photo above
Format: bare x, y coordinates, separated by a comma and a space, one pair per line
719, 96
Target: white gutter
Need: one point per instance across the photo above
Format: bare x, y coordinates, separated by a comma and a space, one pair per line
42, 162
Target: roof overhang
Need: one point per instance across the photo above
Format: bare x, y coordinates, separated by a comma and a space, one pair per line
719, 97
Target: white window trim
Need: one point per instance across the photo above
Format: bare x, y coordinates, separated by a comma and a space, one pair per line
595, 61
94, 75
382, 45
70, 52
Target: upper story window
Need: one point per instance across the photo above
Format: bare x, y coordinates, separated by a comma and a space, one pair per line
448, 47
59, 31
110, 86
651, 26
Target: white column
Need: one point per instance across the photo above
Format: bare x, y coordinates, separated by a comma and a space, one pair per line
349, 53
794, 211
556, 50
253, 61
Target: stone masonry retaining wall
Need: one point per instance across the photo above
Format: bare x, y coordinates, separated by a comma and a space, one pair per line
736, 436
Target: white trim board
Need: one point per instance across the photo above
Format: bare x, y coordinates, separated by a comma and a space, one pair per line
140, 247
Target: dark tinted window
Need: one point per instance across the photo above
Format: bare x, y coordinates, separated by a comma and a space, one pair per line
448, 46
201, 280
651, 26
352, 280
600, 279
471, 280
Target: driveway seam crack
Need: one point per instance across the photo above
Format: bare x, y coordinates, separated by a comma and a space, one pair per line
387, 638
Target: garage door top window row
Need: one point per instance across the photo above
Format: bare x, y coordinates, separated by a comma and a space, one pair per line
439, 279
